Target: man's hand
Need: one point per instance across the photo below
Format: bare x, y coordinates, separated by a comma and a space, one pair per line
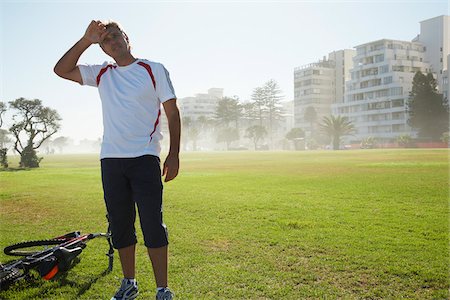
96, 32
170, 167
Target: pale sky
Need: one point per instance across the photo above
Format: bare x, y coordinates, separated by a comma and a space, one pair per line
235, 45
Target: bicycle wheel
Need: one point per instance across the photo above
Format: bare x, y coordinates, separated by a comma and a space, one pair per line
8, 276
30, 247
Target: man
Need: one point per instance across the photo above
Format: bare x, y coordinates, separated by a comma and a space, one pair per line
131, 91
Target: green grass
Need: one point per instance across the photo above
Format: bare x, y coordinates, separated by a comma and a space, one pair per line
367, 224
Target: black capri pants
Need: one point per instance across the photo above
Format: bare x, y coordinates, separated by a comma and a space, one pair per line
128, 182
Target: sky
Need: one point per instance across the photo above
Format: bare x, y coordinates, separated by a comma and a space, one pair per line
234, 45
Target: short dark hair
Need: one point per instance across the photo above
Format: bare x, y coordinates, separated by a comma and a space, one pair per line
111, 23
114, 24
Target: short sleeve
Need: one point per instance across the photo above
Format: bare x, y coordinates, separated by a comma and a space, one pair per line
89, 74
164, 88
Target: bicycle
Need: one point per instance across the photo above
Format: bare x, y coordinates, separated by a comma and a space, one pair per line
56, 257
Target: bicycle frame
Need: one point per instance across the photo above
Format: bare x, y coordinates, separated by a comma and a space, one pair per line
49, 262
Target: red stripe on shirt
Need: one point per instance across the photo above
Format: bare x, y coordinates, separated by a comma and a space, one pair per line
156, 124
149, 70
102, 71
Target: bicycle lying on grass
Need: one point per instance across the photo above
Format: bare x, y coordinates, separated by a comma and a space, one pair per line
57, 256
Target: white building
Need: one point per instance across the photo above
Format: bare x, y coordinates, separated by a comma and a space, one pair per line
435, 35
445, 80
319, 85
201, 104
288, 116
377, 94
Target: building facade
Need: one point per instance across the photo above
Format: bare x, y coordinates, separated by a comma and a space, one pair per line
445, 80
201, 104
378, 91
435, 35
371, 85
319, 85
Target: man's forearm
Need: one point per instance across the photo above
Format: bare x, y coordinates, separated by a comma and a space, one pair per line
69, 60
174, 130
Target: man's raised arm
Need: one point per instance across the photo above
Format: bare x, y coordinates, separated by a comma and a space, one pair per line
67, 65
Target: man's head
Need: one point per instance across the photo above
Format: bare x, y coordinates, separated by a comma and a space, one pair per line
115, 43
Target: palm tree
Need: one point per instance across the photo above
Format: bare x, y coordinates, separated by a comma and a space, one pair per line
186, 126
335, 128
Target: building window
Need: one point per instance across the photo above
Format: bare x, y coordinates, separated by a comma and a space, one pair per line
396, 91
387, 80
397, 103
398, 127
379, 58
384, 69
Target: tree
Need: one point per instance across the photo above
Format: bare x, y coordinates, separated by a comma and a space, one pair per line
296, 135
445, 137
203, 123
335, 128
273, 97
404, 140
2, 111
193, 134
228, 110
60, 143
4, 139
33, 123
228, 135
256, 133
428, 110
260, 102
368, 143
187, 124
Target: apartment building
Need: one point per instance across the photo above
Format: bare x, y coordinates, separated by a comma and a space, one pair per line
435, 35
371, 85
378, 91
445, 80
287, 122
201, 104
319, 85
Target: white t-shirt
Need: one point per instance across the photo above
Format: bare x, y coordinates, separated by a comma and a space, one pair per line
131, 103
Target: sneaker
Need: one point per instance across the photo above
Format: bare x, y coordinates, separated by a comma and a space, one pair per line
164, 294
127, 291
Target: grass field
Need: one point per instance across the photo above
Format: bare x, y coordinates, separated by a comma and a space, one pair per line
370, 224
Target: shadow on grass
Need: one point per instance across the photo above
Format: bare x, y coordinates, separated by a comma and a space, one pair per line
15, 169
33, 280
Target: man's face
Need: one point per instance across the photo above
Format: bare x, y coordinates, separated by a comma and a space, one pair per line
115, 43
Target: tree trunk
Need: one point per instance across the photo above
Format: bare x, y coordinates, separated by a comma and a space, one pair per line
336, 142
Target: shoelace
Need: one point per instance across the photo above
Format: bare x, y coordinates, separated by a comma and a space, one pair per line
122, 289
166, 295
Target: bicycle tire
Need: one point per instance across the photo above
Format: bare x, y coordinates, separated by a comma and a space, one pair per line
20, 249
8, 276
